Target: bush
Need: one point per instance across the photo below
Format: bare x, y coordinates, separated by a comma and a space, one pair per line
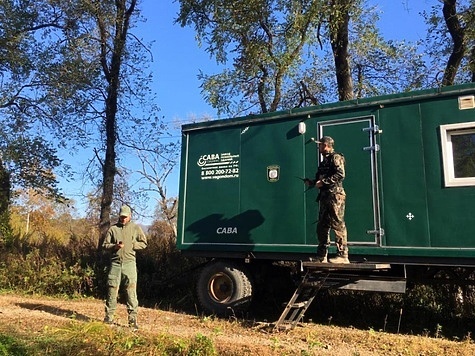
11, 347
165, 276
202, 345
34, 273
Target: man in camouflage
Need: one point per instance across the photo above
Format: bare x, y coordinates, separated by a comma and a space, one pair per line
122, 240
332, 196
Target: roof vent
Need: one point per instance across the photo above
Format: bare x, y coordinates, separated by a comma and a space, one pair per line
466, 102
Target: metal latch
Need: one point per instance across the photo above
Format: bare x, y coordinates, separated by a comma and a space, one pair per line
374, 129
379, 232
375, 148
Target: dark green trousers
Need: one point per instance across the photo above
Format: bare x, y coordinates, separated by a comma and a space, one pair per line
122, 274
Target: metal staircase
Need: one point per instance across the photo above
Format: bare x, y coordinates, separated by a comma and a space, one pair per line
299, 303
354, 276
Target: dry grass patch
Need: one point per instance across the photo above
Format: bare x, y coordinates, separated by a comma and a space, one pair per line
62, 327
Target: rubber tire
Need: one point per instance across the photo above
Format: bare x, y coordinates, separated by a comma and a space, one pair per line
224, 288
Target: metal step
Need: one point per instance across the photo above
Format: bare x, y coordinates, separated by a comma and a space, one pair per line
365, 276
363, 266
353, 276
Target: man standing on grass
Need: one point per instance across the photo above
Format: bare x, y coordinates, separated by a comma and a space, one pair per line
122, 240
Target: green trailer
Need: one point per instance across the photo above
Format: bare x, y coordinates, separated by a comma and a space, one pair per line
410, 183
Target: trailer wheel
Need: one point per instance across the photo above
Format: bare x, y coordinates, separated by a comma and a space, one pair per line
224, 288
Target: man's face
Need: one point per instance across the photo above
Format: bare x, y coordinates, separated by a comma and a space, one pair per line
323, 148
124, 219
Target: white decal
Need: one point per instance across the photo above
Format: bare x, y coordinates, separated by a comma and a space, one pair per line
226, 230
219, 166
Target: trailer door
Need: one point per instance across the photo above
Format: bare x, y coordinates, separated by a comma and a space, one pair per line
355, 139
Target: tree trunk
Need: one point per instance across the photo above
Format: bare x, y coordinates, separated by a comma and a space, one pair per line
112, 75
339, 22
457, 33
472, 64
4, 202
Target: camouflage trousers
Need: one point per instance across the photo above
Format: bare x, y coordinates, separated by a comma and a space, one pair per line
331, 217
122, 274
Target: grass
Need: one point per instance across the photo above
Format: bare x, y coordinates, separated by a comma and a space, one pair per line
47, 326
95, 338
98, 339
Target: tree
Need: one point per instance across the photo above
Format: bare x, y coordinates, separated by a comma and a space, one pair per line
4, 202
121, 100
30, 165
112, 44
38, 220
265, 38
158, 156
457, 33
381, 66
28, 158
281, 53
339, 21
451, 41
80, 79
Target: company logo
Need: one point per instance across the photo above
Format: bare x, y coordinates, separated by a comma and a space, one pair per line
204, 159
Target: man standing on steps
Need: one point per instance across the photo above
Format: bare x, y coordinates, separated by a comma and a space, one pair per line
122, 240
331, 198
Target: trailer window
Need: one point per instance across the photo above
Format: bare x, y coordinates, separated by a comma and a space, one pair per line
458, 154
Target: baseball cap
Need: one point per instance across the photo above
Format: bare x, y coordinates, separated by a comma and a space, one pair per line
124, 211
326, 139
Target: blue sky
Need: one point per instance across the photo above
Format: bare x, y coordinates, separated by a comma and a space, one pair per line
177, 60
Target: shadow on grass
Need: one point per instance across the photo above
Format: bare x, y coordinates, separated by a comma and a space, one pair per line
66, 313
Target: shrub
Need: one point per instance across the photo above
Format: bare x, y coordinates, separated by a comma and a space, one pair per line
34, 273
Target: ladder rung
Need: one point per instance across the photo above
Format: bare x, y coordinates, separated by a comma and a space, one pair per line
313, 284
294, 311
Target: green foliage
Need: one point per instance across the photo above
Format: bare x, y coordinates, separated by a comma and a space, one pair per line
67, 266
164, 273
30, 41
9, 346
96, 338
59, 61
93, 338
439, 43
283, 54
31, 161
266, 40
381, 66
5, 228
201, 346
34, 273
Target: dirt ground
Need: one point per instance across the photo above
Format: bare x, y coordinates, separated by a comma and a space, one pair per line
233, 337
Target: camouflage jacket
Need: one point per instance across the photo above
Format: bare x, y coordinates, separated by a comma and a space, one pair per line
331, 171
